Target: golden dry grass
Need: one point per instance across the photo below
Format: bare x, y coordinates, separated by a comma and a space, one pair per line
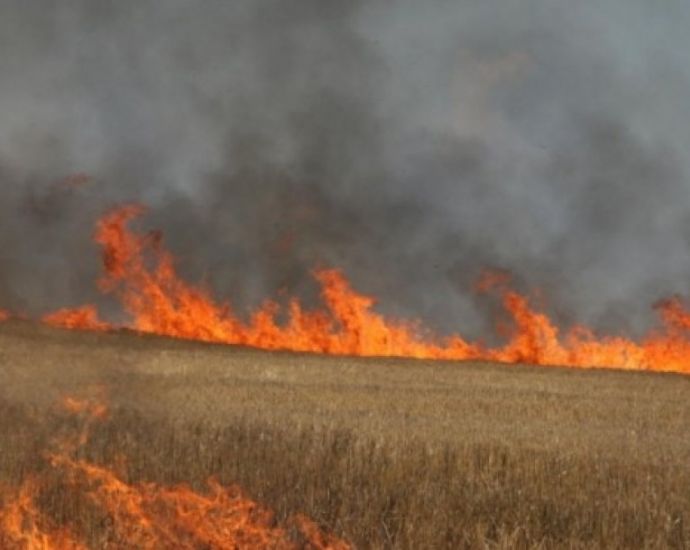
387, 453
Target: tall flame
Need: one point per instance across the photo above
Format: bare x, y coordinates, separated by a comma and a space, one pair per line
142, 274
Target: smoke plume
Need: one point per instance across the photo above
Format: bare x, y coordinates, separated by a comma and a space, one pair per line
412, 144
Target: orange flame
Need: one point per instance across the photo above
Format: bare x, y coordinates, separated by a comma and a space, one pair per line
148, 516
142, 274
23, 527
82, 318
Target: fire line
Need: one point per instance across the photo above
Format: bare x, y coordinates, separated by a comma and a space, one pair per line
141, 273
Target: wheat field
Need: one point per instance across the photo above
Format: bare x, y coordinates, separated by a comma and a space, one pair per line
385, 453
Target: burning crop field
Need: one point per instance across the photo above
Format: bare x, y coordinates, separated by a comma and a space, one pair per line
122, 440
141, 273
331, 427
332, 275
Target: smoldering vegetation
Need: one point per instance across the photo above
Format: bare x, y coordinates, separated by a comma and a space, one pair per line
412, 145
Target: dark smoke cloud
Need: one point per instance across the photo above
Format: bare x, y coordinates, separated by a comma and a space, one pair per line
411, 143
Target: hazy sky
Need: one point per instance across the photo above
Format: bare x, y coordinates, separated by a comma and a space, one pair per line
410, 143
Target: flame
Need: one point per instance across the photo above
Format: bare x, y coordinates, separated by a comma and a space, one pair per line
4, 315
141, 273
82, 318
146, 515
22, 526
535, 339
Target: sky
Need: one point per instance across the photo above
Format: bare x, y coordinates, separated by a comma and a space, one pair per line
412, 144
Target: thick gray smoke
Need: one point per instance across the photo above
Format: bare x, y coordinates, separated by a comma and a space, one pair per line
410, 143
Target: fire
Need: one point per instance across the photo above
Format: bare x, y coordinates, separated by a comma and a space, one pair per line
146, 515
141, 273
23, 527
143, 276
83, 318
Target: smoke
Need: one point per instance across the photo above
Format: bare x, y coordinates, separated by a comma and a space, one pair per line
412, 144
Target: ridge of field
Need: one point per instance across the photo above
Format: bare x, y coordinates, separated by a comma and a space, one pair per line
388, 453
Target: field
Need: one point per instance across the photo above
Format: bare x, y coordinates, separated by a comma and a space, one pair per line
385, 453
